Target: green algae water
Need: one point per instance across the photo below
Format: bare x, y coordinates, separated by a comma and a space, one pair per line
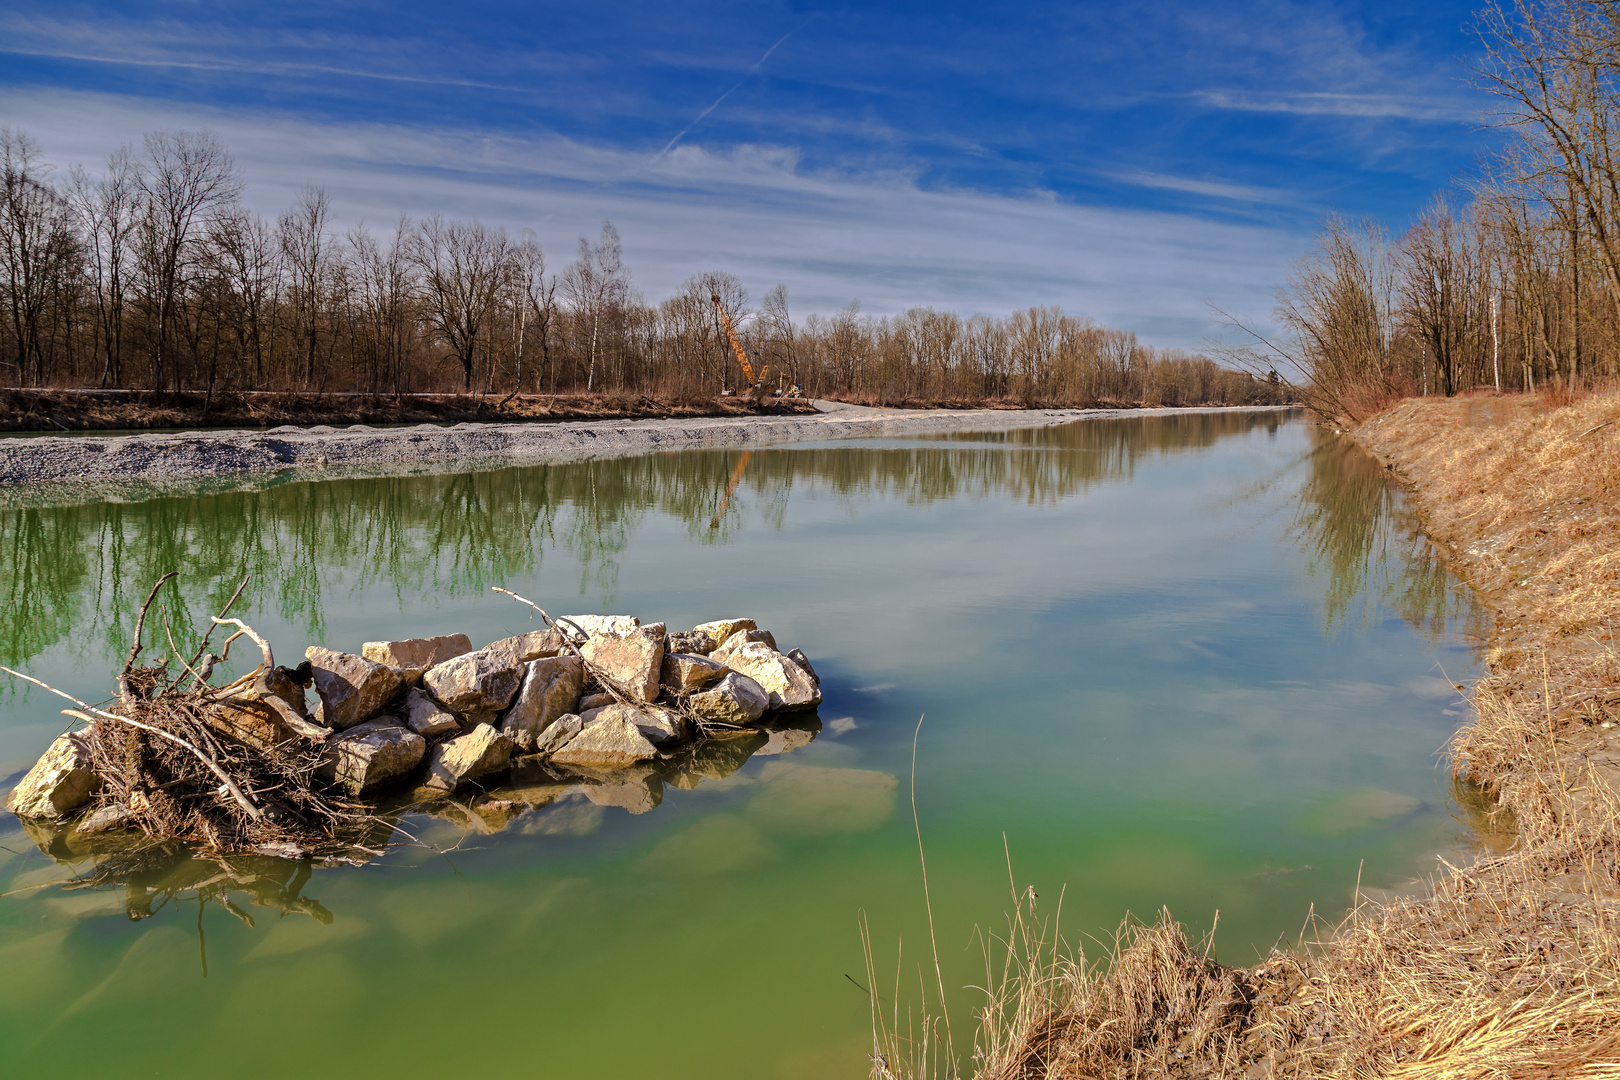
1200, 661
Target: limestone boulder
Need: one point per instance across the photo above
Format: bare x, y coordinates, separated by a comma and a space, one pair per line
684, 673
531, 646
60, 782
788, 685
350, 688
634, 659
738, 640
424, 716
558, 734
372, 755
721, 629
477, 684
550, 689
692, 642
580, 627
658, 725
481, 751
595, 701
611, 742
736, 699
414, 656
798, 657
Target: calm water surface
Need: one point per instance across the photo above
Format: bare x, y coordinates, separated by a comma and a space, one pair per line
1196, 661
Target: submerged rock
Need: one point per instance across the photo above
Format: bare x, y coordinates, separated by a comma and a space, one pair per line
788, 685
633, 659
372, 754
611, 742
737, 699
481, 751
424, 716
683, 673
414, 656
60, 781
350, 688
550, 689
477, 684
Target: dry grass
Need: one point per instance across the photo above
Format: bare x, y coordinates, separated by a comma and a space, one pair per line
1509, 967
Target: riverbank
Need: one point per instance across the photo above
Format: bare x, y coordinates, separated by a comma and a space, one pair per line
151, 461
1508, 967
55, 411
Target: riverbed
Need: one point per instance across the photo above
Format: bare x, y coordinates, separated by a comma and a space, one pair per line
1202, 661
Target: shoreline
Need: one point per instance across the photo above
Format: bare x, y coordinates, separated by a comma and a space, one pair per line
74, 464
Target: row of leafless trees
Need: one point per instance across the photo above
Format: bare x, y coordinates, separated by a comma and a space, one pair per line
151, 275
1515, 287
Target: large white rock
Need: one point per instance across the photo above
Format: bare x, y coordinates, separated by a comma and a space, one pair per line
371, 755
60, 781
580, 627
612, 742
738, 640
683, 673
658, 725
531, 646
633, 659
720, 629
798, 657
413, 656
351, 688
477, 684
736, 699
788, 684
480, 751
550, 689
424, 716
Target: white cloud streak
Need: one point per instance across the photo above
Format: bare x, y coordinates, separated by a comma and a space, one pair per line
754, 211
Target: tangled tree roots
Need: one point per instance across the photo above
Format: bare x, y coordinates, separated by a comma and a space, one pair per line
175, 759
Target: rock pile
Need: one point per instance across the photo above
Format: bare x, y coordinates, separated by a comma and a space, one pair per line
591, 694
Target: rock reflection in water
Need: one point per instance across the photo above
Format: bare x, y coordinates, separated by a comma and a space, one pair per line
533, 798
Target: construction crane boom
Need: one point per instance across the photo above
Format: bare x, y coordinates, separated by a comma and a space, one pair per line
736, 342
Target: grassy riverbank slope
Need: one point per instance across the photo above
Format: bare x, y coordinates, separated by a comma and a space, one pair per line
1509, 967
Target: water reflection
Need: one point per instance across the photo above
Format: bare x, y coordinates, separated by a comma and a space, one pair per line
1367, 547
70, 567
534, 797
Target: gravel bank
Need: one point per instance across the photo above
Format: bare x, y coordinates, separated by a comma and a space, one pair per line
55, 469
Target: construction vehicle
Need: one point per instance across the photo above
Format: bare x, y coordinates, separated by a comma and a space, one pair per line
758, 386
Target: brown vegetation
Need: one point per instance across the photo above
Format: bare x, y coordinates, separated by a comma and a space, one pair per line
1509, 967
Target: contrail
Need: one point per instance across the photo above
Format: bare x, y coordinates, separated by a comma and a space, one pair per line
751, 73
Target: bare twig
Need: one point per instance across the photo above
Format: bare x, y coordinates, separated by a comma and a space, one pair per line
224, 611
124, 689
244, 629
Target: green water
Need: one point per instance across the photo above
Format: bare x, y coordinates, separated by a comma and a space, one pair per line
1196, 661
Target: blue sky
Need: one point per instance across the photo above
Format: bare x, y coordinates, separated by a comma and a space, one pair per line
1132, 163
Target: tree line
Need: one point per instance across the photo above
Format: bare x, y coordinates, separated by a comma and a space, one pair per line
1513, 283
151, 274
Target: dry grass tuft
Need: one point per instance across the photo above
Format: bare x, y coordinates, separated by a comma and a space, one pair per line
1509, 967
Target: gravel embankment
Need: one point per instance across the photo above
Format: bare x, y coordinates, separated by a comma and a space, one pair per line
53, 468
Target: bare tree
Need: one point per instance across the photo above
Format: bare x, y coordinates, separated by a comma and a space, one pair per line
597, 286
246, 255
108, 211
186, 177
36, 245
464, 266
307, 256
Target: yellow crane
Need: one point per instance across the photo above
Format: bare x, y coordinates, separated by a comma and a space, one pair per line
755, 382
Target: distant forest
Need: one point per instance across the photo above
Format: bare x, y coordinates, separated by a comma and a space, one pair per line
152, 275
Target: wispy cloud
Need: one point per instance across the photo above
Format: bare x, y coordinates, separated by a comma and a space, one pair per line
1214, 189
1322, 103
754, 210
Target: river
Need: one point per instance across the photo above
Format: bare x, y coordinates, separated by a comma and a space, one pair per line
1200, 661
